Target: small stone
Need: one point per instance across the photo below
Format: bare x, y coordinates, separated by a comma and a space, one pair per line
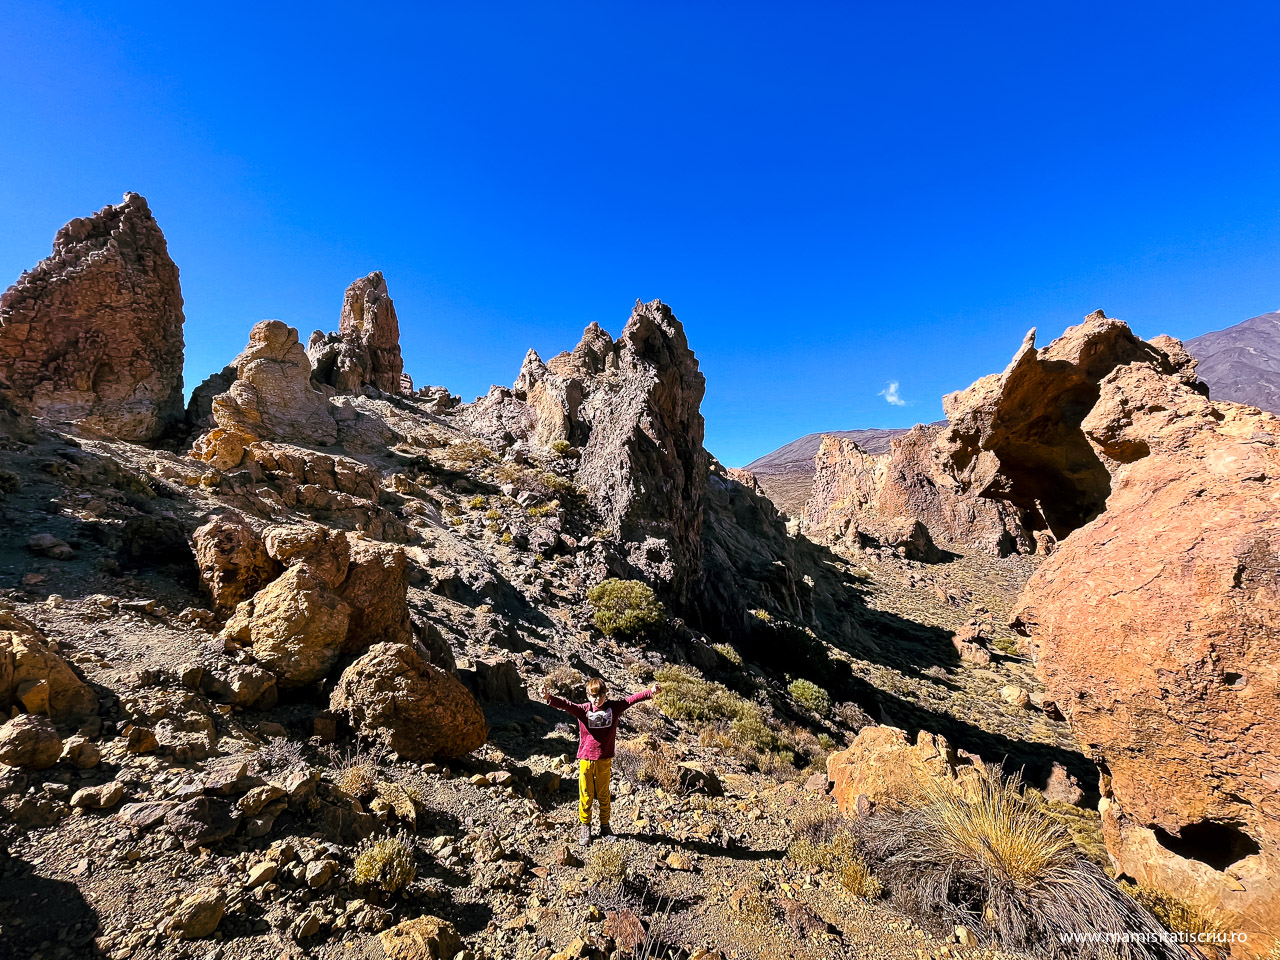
1015, 696
47, 545
81, 752
260, 873
142, 740
102, 797
198, 915
319, 873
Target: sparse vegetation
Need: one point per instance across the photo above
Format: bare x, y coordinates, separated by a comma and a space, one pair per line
477, 502
493, 514
355, 773
823, 843
649, 760
625, 608
975, 851
1176, 915
608, 863
561, 447
385, 864
544, 509
729, 653
563, 680
468, 453
810, 696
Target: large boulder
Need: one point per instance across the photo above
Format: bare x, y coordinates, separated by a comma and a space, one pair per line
272, 398
232, 559
1154, 621
376, 589
93, 333
296, 626
883, 766
326, 552
390, 694
365, 353
34, 679
30, 742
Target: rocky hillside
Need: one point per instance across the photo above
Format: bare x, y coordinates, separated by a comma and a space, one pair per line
1242, 363
786, 474
269, 667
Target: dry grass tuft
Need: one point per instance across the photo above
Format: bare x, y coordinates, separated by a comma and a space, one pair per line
975, 852
822, 842
608, 863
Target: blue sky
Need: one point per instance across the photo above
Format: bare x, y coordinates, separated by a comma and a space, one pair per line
833, 197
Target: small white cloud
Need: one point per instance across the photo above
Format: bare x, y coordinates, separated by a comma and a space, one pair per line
890, 393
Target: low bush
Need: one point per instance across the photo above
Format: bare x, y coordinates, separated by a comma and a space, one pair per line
648, 760
838, 856
563, 680
729, 653
476, 502
608, 863
976, 852
561, 447
385, 864
625, 608
810, 696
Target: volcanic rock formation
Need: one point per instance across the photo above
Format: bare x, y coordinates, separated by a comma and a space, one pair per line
93, 333
365, 352
632, 406
272, 398
1154, 622
857, 496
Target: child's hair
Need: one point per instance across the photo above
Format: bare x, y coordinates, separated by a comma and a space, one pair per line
595, 687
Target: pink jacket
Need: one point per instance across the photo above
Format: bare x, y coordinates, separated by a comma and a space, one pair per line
597, 729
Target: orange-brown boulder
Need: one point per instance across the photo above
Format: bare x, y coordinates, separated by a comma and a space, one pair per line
232, 559
882, 765
35, 679
1154, 620
390, 694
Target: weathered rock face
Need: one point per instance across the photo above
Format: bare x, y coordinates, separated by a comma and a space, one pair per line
1154, 621
365, 353
395, 697
883, 766
376, 590
271, 399
34, 679
632, 407
857, 495
93, 333
233, 560
1016, 436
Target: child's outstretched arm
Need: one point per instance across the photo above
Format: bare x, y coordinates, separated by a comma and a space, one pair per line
646, 694
570, 708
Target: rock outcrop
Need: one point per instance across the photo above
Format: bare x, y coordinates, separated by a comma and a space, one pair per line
1015, 436
35, 679
232, 559
633, 407
390, 694
93, 333
1153, 623
365, 352
858, 497
272, 398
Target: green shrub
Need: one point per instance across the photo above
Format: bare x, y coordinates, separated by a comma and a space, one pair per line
386, 864
810, 696
561, 447
476, 502
838, 855
728, 652
625, 608
1175, 914
544, 509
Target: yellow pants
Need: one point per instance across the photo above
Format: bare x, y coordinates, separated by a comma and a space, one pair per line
593, 786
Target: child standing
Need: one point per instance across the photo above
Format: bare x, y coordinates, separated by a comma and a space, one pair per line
597, 729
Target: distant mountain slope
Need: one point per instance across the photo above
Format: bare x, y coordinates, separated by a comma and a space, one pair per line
1241, 363
786, 474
